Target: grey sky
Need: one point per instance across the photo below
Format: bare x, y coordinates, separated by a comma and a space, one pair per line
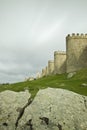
31, 30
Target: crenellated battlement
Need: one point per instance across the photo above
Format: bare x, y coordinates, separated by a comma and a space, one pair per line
59, 53
71, 60
76, 48
73, 35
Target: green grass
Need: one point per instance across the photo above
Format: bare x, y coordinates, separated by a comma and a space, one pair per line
55, 81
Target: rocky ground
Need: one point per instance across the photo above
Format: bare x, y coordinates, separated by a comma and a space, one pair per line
52, 109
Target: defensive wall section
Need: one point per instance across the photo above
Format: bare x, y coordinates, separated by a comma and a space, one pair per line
76, 52
50, 67
46, 70
38, 75
59, 62
43, 72
74, 59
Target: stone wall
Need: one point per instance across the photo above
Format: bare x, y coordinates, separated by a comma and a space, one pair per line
43, 72
38, 75
46, 70
74, 59
59, 62
76, 50
50, 67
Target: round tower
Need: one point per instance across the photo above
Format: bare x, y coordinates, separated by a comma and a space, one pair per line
76, 48
46, 70
50, 67
38, 75
59, 62
43, 72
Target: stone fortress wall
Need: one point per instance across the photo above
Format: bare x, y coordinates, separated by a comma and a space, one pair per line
46, 70
59, 62
43, 72
76, 51
74, 59
50, 67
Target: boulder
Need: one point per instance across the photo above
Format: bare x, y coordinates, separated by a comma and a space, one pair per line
10, 103
51, 109
55, 109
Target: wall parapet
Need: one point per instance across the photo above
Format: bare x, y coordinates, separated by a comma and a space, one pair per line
73, 35
73, 59
59, 53
76, 48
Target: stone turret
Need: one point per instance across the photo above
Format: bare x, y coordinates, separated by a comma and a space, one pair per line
43, 72
59, 62
38, 75
46, 70
76, 51
50, 67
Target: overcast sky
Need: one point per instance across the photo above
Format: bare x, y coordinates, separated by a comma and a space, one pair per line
31, 30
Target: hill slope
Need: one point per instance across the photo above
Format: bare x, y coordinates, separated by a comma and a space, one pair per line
54, 81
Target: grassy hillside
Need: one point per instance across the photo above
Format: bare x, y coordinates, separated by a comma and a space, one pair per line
54, 81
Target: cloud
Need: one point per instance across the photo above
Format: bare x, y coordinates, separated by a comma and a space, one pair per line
30, 32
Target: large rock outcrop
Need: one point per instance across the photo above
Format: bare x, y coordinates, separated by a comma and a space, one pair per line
10, 104
52, 109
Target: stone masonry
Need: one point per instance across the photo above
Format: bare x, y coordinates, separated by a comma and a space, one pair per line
59, 62
76, 51
50, 67
43, 72
74, 59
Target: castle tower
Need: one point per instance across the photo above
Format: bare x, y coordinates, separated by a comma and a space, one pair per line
50, 67
38, 75
46, 70
76, 48
59, 62
43, 72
